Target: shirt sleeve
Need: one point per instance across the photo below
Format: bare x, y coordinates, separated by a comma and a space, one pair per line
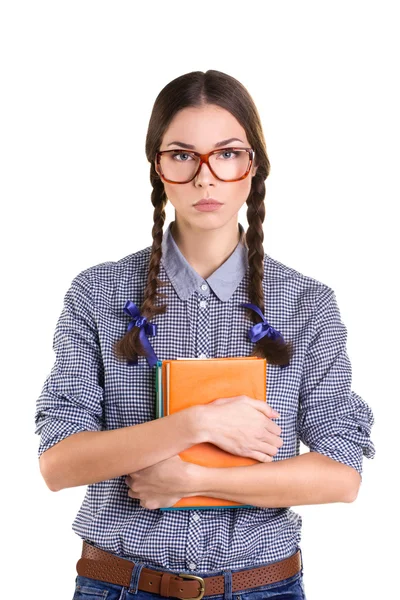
333, 420
72, 396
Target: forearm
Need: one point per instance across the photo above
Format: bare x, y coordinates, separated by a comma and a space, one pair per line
92, 456
310, 478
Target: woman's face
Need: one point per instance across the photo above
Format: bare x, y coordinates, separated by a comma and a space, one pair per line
203, 128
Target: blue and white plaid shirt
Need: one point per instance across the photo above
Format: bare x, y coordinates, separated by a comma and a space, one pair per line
89, 389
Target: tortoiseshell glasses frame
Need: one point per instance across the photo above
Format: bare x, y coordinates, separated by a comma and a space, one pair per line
204, 158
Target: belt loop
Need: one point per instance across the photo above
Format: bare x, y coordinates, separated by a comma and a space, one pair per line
137, 569
301, 559
228, 584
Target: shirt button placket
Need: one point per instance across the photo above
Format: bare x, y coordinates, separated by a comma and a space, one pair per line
202, 351
203, 322
193, 542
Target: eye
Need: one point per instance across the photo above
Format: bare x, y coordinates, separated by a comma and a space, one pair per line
231, 152
175, 154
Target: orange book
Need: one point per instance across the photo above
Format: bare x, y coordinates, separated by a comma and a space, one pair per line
184, 382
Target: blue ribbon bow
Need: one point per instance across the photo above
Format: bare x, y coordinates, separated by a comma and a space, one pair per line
146, 328
259, 330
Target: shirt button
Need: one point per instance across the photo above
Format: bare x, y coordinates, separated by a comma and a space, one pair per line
204, 286
196, 517
192, 566
202, 356
203, 303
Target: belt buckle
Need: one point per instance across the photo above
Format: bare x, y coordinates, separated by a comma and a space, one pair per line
200, 580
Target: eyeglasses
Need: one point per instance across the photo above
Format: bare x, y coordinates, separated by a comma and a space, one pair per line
234, 167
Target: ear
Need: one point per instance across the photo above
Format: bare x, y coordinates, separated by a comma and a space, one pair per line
156, 170
254, 170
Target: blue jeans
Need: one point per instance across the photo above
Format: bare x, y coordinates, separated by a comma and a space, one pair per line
291, 588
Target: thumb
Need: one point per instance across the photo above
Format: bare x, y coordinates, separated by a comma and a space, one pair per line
220, 401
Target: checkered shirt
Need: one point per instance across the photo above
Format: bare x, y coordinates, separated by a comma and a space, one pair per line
88, 389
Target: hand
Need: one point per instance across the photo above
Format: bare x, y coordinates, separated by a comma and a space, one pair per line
242, 426
161, 485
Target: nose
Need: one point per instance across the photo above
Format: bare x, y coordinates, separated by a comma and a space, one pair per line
204, 176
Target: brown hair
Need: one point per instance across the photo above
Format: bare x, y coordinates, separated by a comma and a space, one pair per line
196, 89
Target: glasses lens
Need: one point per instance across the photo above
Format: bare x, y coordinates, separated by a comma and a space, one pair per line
180, 166
230, 164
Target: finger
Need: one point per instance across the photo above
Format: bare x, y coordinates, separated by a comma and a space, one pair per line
265, 453
271, 412
265, 408
271, 438
273, 427
261, 457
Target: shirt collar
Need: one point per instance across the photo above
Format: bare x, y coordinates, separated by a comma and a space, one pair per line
186, 280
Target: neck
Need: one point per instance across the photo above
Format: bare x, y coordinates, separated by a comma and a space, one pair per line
206, 250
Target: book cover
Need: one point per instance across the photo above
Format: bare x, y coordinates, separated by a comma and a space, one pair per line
184, 382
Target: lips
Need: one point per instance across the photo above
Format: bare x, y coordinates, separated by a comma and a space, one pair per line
207, 201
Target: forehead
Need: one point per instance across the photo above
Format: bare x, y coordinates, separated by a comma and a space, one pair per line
203, 126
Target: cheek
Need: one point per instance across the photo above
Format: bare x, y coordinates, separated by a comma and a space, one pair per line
238, 191
178, 194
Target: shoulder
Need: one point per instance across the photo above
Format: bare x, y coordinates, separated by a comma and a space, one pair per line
293, 283
131, 269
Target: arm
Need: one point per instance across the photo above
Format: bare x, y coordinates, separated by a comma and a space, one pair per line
91, 456
75, 448
309, 478
333, 421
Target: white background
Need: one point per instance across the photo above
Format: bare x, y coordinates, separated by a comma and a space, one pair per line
79, 80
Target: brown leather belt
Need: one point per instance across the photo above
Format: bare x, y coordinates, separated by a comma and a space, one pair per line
99, 564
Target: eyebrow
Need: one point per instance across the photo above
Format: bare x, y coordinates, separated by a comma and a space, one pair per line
217, 145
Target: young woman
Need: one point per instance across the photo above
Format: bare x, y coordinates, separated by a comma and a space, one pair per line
222, 296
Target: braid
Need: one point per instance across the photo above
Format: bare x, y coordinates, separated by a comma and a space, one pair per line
129, 346
276, 351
